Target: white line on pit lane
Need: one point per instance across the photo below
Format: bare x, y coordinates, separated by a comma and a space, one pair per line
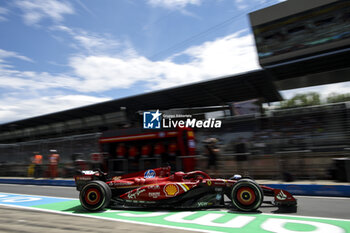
223, 210
68, 198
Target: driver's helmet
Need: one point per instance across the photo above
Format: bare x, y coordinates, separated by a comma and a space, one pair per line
236, 177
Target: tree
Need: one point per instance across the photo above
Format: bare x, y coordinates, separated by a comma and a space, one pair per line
302, 100
336, 98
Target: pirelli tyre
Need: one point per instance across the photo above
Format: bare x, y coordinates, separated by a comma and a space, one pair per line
95, 196
246, 195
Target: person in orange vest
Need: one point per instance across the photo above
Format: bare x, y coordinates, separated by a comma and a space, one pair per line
54, 158
37, 161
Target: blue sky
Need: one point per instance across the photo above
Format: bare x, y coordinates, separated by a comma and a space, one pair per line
60, 54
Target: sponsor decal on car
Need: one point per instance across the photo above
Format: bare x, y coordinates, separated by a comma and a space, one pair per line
204, 204
171, 190
83, 178
154, 194
209, 182
153, 187
220, 182
184, 187
117, 178
281, 196
134, 194
150, 174
88, 172
120, 184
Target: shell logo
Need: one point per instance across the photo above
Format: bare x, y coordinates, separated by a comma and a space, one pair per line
171, 189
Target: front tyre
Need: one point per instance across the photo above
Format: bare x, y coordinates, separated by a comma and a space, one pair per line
246, 195
95, 196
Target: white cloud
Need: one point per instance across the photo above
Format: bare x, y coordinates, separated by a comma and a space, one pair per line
96, 73
241, 4
3, 12
27, 93
36, 10
89, 42
173, 4
244, 4
10, 54
224, 56
102, 73
12, 109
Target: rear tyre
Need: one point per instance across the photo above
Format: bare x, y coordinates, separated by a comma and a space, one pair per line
246, 195
95, 196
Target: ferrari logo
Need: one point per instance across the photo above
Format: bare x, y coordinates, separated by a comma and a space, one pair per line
117, 178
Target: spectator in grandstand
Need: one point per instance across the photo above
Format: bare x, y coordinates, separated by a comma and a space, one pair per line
212, 152
54, 158
37, 161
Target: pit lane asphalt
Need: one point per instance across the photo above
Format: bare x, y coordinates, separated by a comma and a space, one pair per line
329, 207
17, 220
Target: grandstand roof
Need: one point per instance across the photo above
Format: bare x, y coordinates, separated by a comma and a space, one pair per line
254, 84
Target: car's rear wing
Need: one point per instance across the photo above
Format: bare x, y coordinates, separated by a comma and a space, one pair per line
87, 176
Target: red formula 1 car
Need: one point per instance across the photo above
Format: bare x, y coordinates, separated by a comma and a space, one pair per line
158, 188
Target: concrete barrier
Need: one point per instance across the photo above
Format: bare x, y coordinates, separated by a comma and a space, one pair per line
314, 189
48, 182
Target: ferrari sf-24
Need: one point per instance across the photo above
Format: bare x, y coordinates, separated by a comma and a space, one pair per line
159, 188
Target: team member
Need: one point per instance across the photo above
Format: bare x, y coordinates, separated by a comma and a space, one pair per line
54, 158
37, 161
